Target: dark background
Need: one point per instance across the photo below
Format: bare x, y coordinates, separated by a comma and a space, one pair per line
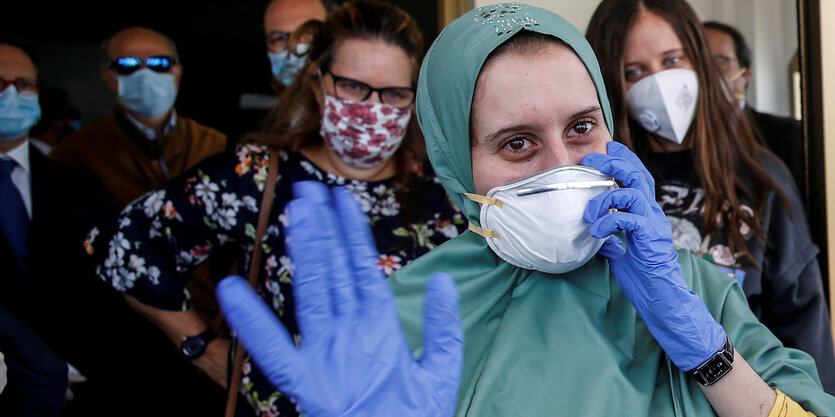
220, 42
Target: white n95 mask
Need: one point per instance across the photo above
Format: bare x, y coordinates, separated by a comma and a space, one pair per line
665, 102
537, 222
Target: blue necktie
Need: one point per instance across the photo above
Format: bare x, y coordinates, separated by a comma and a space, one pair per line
14, 220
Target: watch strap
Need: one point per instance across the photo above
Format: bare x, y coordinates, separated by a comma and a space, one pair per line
717, 366
205, 337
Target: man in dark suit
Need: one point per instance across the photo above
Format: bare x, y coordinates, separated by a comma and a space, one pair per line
782, 135
48, 282
38, 377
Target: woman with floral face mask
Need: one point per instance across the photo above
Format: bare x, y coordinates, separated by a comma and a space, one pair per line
729, 200
345, 122
518, 128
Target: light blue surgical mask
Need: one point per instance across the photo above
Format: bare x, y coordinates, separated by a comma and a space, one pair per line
286, 65
18, 112
147, 93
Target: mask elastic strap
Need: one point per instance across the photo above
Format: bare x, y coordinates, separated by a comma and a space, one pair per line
737, 75
483, 199
481, 231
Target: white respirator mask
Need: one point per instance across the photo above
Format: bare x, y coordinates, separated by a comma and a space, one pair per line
665, 103
537, 222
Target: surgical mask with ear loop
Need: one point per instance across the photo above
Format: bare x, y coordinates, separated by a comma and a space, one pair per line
537, 222
665, 103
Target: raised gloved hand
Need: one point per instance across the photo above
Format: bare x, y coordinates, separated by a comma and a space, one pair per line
353, 359
648, 271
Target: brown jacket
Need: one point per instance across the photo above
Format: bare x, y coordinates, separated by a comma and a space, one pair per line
127, 162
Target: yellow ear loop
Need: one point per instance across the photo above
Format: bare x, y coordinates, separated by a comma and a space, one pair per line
737, 95
483, 199
737, 75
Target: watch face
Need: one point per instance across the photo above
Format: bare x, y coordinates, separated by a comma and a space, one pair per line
193, 346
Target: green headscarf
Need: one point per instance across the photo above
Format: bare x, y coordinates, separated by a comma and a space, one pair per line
448, 76
538, 344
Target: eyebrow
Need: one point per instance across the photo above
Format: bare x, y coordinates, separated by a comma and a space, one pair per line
516, 128
501, 132
667, 52
584, 112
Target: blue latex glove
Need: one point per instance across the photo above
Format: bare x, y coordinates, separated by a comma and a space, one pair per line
648, 271
353, 359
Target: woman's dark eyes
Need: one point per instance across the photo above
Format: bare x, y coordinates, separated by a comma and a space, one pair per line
516, 144
581, 128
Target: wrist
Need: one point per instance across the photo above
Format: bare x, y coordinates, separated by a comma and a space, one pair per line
716, 367
193, 347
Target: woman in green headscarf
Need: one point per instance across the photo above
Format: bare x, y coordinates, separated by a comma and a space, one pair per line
514, 110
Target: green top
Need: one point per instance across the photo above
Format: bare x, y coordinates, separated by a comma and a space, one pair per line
570, 344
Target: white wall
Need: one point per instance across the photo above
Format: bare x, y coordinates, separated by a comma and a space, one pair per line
769, 26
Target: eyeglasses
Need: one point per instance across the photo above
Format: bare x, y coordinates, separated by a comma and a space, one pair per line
359, 91
277, 40
127, 65
24, 86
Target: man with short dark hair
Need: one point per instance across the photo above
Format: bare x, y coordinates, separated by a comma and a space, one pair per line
782, 135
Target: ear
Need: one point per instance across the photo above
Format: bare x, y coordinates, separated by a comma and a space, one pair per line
177, 71
312, 76
747, 75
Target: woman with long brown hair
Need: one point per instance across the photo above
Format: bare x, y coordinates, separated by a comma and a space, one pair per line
344, 122
728, 199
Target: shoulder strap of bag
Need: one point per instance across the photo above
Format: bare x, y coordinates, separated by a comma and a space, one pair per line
255, 262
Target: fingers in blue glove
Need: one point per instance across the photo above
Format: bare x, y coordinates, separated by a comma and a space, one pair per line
321, 235
356, 233
629, 199
258, 327
612, 248
307, 240
624, 166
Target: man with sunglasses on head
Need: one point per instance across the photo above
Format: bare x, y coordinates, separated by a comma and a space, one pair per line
144, 142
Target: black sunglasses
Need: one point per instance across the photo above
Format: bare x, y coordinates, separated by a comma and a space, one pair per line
127, 65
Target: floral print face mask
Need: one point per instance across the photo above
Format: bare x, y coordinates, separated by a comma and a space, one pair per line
363, 134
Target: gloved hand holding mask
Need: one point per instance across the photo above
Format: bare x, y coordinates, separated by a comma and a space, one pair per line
353, 358
647, 270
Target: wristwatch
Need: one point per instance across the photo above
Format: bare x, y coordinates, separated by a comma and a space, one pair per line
195, 346
717, 366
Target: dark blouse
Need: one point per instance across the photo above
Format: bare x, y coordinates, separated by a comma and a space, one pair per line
168, 231
784, 287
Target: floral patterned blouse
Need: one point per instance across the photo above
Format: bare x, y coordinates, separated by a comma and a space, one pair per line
172, 229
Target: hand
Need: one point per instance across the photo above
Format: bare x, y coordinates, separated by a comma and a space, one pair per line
353, 358
214, 362
648, 271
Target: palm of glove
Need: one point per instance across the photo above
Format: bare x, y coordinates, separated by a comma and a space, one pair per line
353, 358
647, 270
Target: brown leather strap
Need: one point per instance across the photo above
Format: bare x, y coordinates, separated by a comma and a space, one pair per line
255, 262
